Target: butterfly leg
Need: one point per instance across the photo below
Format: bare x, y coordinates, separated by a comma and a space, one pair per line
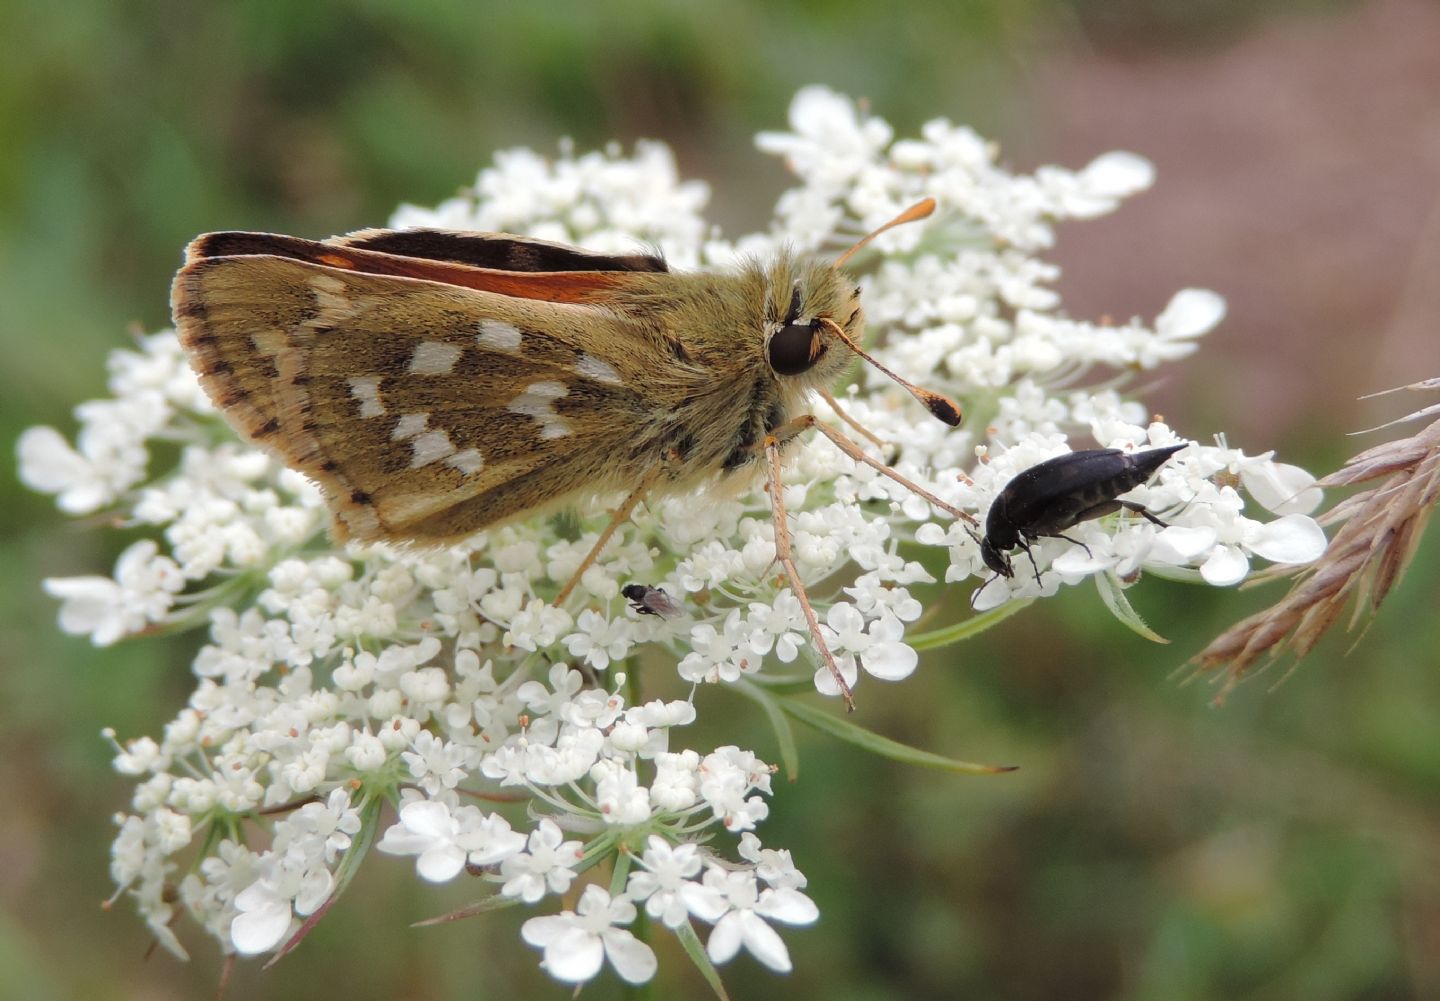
776, 489
791, 428
618, 517
859, 428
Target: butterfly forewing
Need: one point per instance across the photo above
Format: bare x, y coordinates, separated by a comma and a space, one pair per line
383, 388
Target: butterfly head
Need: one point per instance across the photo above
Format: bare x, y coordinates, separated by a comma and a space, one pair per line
824, 312
800, 343
821, 315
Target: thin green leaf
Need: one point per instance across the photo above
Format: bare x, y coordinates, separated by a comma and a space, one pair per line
482, 906
620, 873
843, 729
784, 733
695, 949
1114, 597
783, 684
967, 628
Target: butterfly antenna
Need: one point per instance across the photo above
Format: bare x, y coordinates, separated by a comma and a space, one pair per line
941, 406
914, 213
937, 403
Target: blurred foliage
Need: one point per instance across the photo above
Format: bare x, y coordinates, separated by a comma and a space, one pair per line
1150, 846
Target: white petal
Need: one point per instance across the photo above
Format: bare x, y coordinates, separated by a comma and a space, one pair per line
724, 939
789, 906
398, 841
427, 817
1118, 174
1294, 538
931, 534
574, 956
259, 930
990, 595
545, 929
1182, 543
620, 910
764, 942
91, 606
315, 889
890, 661
47, 462
705, 902
1281, 488
1190, 313
440, 864
825, 681
492, 842
632, 958
1076, 561
1226, 565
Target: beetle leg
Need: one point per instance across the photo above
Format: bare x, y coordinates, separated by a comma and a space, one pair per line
1024, 544
1140, 510
1076, 542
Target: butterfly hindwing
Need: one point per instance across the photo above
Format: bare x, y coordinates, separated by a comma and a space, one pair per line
496, 251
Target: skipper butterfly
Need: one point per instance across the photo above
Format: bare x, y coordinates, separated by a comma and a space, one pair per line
436, 383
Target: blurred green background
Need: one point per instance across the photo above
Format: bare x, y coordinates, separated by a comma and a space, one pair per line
1282, 846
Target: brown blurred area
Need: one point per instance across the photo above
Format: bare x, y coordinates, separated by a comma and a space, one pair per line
1299, 175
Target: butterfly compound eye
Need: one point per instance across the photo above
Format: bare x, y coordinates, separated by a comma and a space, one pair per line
794, 348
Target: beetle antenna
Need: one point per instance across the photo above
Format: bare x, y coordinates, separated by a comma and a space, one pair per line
914, 213
975, 594
937, 403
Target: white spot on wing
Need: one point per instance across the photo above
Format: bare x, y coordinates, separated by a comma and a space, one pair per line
409, 426
497, 335
332, 301
468, 462
430, 447
598, 369
366, 391
434, 358
270, 341
538, 401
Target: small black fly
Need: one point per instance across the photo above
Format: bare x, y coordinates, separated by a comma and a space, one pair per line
649, 600
1046, 499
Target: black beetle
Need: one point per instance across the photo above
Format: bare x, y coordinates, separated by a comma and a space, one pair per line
1059, 493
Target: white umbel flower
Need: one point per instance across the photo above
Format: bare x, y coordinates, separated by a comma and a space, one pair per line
337, 683
577, 943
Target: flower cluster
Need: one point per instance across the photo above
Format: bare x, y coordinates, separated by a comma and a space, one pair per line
438, 704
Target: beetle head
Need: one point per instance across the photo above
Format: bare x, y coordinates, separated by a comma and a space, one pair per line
995, 559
